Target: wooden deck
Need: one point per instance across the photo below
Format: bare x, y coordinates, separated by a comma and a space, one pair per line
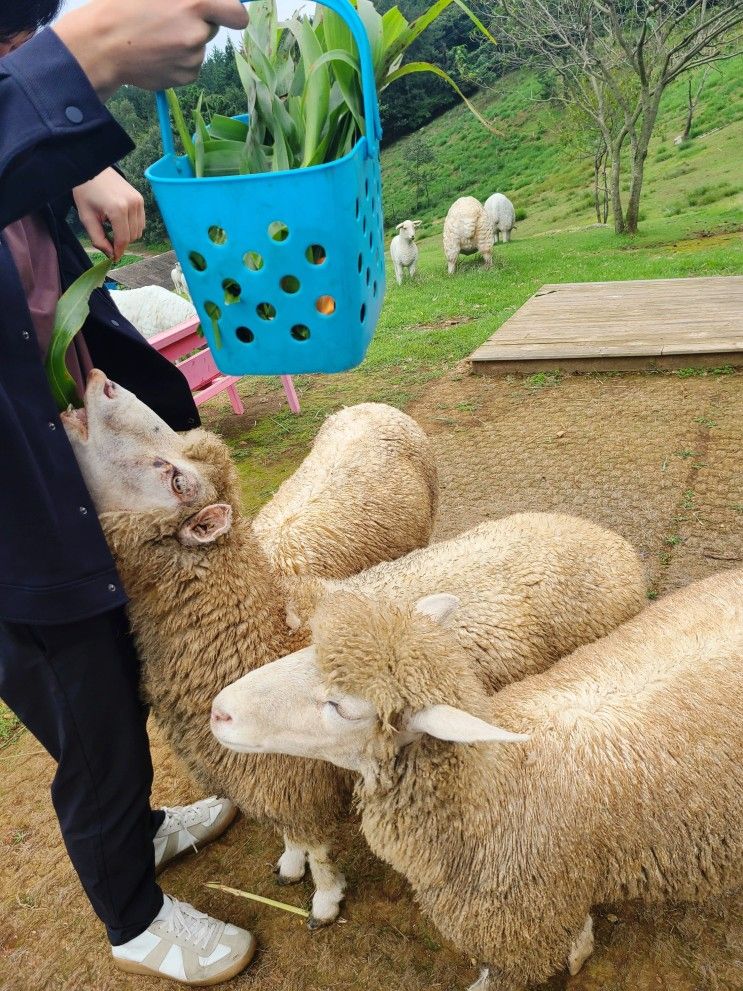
613, 326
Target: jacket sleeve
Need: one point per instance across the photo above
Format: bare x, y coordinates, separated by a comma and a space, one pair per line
54, 131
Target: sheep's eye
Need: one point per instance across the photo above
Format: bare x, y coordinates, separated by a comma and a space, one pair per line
178, 483
336, 707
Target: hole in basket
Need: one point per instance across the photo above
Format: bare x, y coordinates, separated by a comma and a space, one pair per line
358, 208
232, 291
316, 254
218, 235
245, 334
214, 313
278, 231
300, 332
368, 276
371, 239
266, 311
253, 261
363, 312
366, 188
363, 226
290, 283
198, 261
360, 263
374, 205
375, 287
326, 305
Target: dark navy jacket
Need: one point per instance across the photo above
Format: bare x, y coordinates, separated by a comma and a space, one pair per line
55, 566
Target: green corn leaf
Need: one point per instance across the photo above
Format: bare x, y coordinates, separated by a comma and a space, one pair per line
476, 21
199, 157
412, 67
350, 95
72, 312
179, 120
228, 128
372, 21
316, 94
393, 26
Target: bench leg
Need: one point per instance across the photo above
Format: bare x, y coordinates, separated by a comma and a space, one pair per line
291, 393
235, 401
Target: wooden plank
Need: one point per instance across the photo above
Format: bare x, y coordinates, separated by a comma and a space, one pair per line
664, 320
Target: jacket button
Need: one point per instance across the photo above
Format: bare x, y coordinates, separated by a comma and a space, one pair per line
25, 335
83, 511
115, 323
74, 115
52, 426
112, 588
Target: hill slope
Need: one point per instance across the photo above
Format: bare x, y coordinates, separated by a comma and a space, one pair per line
533, 162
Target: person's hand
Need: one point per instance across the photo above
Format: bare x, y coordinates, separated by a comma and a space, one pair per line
110, 198
149, 43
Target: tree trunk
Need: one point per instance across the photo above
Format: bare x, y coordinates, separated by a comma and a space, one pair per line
689, 117
639, 154
606, 188
616, 190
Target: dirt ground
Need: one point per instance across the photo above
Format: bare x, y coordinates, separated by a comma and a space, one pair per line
658, 458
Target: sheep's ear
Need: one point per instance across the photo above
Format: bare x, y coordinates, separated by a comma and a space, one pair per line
438, 607
417, 223
208, 524
457, 726
398, 226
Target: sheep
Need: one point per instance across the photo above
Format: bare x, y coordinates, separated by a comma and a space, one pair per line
502, 216
208, 604
623, 779
368, 463
404, 250
179, 281
467, 229
152, 309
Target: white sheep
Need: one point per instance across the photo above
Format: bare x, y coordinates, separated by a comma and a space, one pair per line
626, 781
467, 229
371, 469
208, 603
404, 250
179, 281
502, 216
152, 309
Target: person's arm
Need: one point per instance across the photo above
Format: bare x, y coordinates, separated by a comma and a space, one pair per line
55, 132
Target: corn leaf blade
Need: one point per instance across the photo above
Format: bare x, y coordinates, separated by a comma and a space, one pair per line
71, 313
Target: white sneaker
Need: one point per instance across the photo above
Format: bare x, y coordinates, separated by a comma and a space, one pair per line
187, 827
187, 946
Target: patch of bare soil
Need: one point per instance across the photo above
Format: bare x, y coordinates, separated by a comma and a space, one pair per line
443, 324
654, 456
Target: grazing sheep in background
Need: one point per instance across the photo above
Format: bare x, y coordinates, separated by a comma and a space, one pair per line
467, 229
370, 466
153, 309
179, 281
207, 604
502, 216
404, 250
626, 781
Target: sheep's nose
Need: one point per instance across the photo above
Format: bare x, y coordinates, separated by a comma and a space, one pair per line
220, 716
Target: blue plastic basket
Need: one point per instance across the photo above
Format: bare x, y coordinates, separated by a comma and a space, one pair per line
286, 269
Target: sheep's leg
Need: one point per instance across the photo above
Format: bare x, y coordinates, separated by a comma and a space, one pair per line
412, 269
582, 948
398, 273
329, 887
291, 865
452, 263
506, 236
483, 981
487, 256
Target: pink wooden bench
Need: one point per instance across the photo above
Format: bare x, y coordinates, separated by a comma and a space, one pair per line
201, 372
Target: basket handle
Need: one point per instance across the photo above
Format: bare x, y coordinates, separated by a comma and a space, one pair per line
346, 11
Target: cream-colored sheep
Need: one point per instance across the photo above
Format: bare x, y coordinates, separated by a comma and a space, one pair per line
371, 472
467, 229
207, 605
617, 775
404, 250
502, 216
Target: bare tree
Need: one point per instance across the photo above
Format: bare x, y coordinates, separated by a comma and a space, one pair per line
692, 101
619, 56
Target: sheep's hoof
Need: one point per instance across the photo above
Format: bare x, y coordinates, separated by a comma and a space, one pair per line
287, 882
314, 923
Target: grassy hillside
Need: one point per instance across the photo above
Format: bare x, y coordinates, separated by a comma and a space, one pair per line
533, 160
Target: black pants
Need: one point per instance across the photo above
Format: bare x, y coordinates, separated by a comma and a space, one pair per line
75, 686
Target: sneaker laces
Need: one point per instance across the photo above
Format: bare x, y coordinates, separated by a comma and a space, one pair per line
183, 816
187, 923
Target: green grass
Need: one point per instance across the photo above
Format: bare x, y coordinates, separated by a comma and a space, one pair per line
10, 727
692, 225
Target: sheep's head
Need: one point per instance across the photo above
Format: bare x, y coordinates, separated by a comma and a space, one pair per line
132, 461
377, 678
409, 228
